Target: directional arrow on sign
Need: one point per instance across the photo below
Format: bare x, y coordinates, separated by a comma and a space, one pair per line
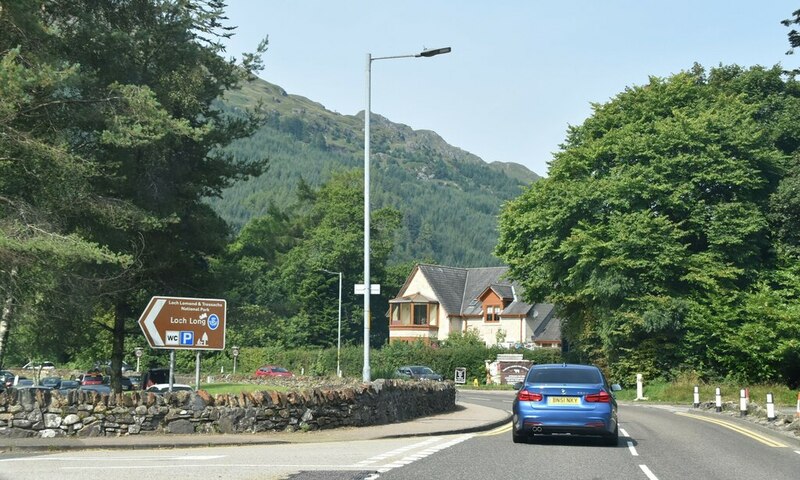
149, 323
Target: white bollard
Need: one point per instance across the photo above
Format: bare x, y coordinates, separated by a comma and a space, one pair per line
797, 412
742, 403
718, 400
770, 407
696, 396
639, 387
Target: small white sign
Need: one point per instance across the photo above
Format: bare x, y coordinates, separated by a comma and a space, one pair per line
461, 376
374, 289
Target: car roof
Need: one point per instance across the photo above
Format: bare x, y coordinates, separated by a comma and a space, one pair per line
566, 365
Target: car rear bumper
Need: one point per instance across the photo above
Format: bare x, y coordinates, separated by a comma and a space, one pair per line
563, 423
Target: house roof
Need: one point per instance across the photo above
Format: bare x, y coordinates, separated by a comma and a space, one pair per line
459, 289
415, 298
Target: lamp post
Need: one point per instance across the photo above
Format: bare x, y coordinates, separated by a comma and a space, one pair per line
339, 332
367, 287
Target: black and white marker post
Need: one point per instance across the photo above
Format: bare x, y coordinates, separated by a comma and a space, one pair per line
770, 407
718, 400
696, 396
742, 403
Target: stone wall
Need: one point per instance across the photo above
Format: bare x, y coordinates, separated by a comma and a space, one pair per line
45, 413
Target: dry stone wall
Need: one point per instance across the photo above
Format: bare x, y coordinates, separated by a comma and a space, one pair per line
44, 413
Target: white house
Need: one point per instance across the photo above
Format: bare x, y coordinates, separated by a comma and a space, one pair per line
436, 301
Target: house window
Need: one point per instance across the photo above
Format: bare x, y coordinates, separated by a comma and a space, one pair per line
420, 314
492, 313
415, 314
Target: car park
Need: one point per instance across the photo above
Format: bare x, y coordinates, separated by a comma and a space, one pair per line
417, 372
273, 371
565, 399
161, 388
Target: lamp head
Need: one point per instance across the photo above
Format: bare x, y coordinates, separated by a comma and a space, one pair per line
433, 52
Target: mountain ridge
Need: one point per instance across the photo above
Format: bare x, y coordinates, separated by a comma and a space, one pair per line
449, 197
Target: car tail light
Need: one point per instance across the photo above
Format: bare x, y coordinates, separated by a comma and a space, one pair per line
528, 396
600, 397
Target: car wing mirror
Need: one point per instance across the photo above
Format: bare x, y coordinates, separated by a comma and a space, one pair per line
616, 387
518, 386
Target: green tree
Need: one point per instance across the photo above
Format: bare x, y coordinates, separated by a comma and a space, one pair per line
654, 224
144, 122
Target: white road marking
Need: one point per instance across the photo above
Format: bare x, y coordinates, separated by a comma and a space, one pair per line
170, 458
630, 443
648, 472
430, 451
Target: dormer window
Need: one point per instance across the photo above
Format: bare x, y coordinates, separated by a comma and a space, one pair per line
492, 313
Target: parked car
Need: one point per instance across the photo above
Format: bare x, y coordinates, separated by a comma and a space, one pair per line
52, 382
105, 367
417, 372
6, 378
273, 371
136, 381
161, 388
41, 365
100, 388
565, 399
126, 383
91, 378
67, 385
155, 376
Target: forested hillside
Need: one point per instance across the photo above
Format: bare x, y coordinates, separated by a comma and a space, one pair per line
449, 198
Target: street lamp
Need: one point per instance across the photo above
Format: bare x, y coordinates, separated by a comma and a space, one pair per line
339, 335
367, 287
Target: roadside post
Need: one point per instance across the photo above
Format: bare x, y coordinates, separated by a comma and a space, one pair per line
696, 402
235, 352
718, 400
742, 403
461, 376
639, 387
138, 351
797, 412
770, 407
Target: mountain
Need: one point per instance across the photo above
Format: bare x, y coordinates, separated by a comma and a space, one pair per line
450, 198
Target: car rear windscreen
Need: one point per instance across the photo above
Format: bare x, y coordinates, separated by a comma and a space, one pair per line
564, 375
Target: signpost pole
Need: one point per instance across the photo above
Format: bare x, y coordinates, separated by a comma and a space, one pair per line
171, 367
197, 371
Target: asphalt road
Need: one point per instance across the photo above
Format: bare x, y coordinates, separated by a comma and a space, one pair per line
655, 443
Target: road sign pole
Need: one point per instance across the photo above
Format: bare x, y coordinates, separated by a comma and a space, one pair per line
171, 367
197, 371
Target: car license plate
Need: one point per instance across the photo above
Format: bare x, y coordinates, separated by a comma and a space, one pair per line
563, 400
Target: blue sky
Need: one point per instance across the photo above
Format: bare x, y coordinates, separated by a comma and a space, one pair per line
520, 71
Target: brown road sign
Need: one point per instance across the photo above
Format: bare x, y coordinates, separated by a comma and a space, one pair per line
184, 323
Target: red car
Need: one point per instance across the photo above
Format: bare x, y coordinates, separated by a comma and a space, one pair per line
91, 379
273, 371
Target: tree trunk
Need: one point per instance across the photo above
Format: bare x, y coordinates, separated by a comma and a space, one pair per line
118, 347
5, 317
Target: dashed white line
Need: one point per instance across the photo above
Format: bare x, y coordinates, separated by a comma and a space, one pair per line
648, 472
630, 443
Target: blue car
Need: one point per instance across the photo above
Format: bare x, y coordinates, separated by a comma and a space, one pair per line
565, 399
